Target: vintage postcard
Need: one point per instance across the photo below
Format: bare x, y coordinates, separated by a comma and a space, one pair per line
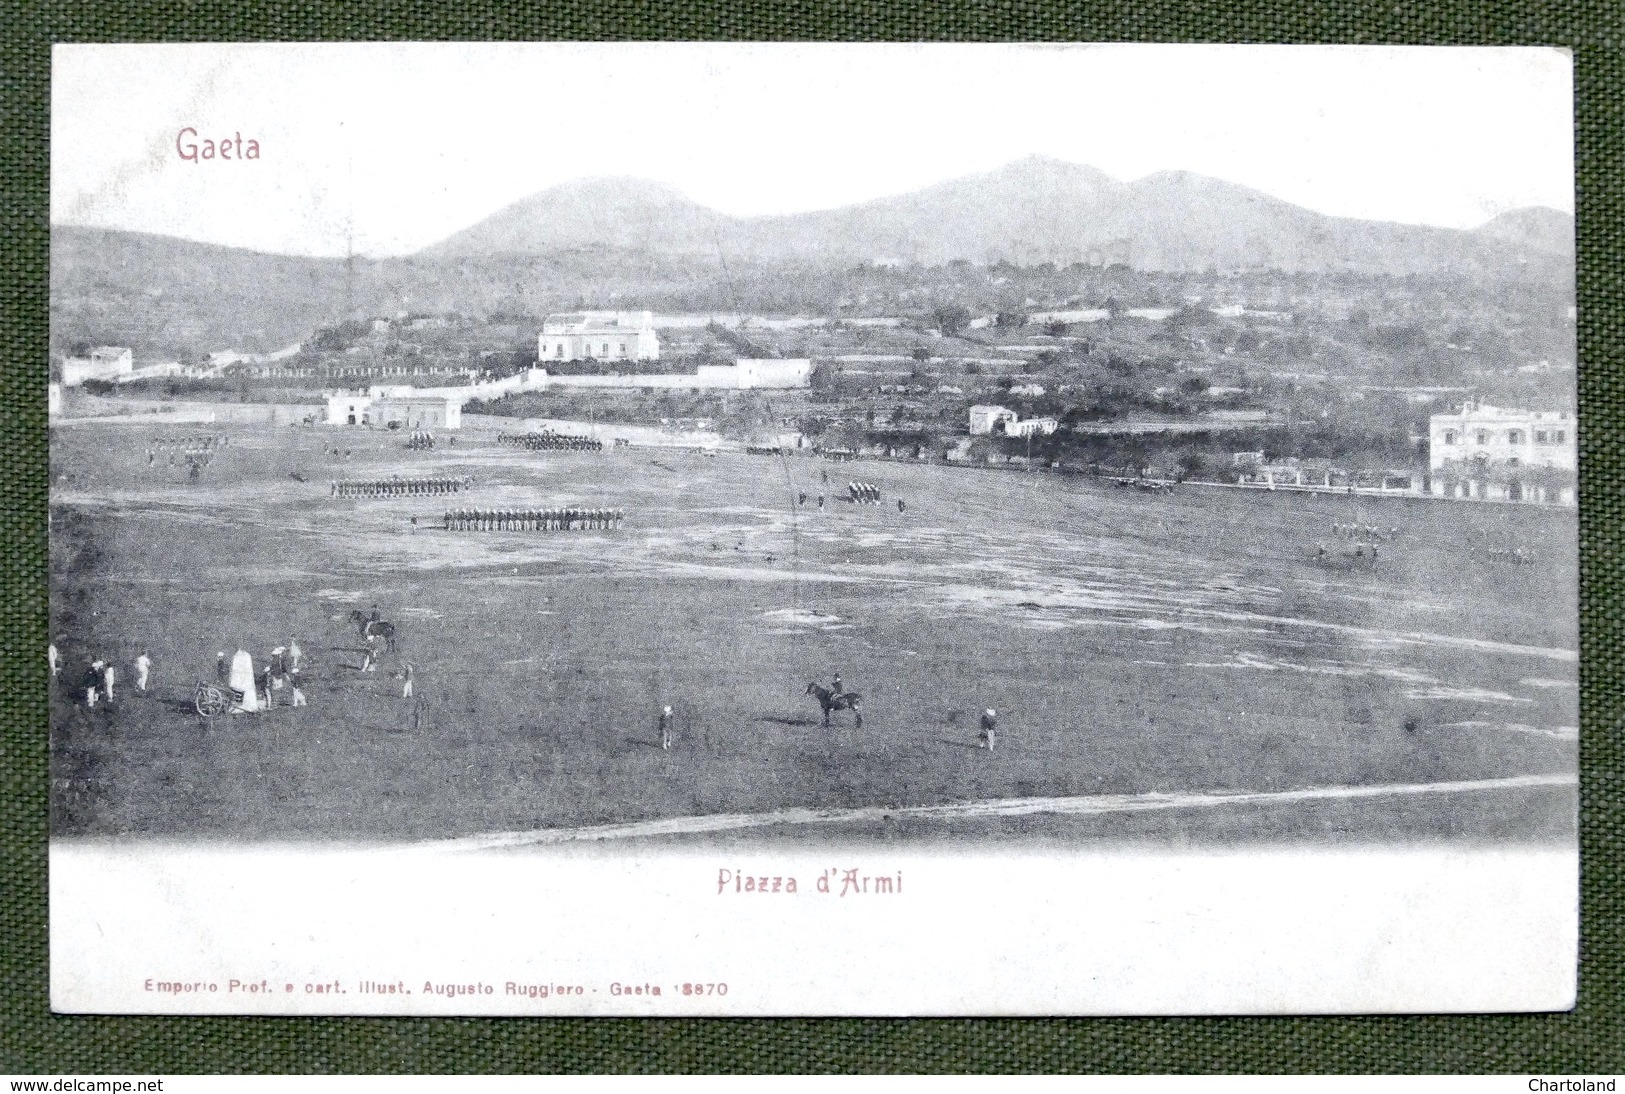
685, 529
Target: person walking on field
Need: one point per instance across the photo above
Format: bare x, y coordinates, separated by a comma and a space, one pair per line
990, 727
93, 683
143, 666
298, 696
665, 728
107, 679
406, 680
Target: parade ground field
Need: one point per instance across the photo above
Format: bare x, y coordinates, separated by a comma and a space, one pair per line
1171, 668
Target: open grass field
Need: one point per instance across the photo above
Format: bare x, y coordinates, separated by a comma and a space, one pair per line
1134, 645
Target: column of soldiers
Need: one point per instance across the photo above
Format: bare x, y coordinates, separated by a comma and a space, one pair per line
863, 493
565, 519
396, 487
548, 439
1364, 531
200, 442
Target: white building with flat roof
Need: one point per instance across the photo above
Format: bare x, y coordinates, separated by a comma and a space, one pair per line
985, 419
598, 336
1028, 427
103, 363
1484, 436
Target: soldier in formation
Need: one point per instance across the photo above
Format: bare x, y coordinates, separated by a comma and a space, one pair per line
566, 519
394, 487
549, 440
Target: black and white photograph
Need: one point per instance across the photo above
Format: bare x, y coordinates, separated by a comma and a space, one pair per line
689, 529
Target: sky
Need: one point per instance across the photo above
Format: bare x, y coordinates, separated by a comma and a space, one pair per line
380, 149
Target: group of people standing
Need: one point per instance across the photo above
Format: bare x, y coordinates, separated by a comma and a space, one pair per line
100, 675
567, 519
252, 685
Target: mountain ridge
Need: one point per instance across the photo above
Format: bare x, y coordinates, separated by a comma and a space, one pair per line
1034, 209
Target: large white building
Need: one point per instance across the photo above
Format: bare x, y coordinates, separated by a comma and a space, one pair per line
1028, 427
1483, 436
598, 336
104, 363
985, 419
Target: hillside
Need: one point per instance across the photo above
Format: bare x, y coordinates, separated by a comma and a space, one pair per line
602, 242
161, 295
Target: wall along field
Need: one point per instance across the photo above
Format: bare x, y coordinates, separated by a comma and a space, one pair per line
1132, 644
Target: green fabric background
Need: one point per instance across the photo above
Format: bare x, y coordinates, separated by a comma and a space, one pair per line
1590, 1040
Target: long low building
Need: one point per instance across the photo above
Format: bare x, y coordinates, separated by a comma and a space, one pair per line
441, 407
746, 374
399, 410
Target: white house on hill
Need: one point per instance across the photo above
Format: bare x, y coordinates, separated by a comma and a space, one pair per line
598, 336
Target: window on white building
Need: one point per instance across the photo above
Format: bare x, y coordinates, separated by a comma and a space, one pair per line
1558, 437
1483, 436
623, 349
1451, 436
606, 349
1540, 436
558, 350
1514, 436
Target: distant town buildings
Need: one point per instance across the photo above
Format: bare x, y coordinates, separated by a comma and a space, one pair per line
102, 363
1483, 436
598, 336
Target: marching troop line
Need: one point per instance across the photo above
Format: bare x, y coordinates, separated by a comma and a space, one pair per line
564, 519
1364, 531
547, 439
198, 442
863, 493
396, 487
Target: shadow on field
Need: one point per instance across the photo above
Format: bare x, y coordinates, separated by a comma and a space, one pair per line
781, 720
640, 741
959, 744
